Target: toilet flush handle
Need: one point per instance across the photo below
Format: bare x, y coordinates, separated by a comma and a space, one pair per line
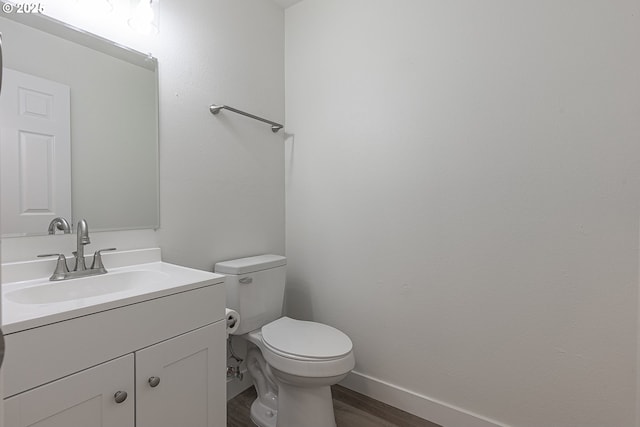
246, 280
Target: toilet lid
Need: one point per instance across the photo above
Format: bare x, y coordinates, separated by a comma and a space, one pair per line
297, 338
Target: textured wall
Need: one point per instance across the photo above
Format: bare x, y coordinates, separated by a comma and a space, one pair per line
222, 177
462, 199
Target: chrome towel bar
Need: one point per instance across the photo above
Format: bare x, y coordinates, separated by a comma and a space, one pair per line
215, 109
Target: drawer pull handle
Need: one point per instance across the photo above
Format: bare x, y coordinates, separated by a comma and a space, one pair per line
120, 396
154, 381
246, 280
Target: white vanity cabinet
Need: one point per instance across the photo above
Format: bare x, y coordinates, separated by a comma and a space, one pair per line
167, 354
177, 383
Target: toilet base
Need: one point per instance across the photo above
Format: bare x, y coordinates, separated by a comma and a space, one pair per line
302, 407
305, 406
262, 415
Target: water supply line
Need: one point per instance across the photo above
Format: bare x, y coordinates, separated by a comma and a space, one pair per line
234, 372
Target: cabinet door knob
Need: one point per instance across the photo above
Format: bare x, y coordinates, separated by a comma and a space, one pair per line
154, 381
120, 396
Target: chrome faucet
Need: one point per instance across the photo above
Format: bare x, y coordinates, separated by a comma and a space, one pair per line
61, 224
97, 267
82, 232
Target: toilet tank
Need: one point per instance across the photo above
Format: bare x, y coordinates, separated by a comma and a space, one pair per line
255, 289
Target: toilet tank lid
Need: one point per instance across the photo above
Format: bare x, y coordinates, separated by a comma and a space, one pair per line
250, 264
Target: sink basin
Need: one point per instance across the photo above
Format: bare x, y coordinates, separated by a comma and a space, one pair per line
30, 299
86, 287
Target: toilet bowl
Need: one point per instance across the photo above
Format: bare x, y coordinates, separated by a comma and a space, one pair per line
292, 362
302, 360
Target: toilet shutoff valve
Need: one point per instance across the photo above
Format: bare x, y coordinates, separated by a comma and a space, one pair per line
234, 372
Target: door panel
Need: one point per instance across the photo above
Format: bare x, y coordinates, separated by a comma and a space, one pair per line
85, 399
35, 138
189, 371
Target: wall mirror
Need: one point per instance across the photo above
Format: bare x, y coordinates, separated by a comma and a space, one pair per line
112, 165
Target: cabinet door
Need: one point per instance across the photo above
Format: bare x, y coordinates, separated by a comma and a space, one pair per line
181, 381
85, 399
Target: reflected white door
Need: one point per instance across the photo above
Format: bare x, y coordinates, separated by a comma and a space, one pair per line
35, 154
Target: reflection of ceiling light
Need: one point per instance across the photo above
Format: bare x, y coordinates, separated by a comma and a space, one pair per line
143, 18
96, 7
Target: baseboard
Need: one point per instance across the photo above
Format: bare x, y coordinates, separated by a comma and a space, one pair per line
236, 386
422, 406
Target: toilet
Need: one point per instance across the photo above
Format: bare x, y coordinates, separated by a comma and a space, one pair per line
293, 362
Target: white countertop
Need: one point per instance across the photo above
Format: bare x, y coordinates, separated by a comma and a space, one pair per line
167, 279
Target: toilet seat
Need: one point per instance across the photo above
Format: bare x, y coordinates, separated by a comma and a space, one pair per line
290, 348
308, 341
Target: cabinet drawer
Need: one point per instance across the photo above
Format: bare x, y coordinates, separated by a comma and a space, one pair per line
44, 354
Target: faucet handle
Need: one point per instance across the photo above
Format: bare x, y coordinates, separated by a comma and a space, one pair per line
97, 259
61, 266
48, 255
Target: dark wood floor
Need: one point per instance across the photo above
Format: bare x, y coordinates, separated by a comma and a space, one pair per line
352, 410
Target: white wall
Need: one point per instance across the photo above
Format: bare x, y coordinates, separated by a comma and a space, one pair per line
221, 177
462, 200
